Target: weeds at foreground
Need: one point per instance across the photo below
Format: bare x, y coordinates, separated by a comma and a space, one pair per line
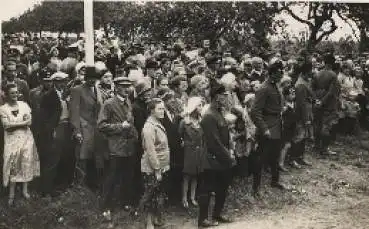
78, 207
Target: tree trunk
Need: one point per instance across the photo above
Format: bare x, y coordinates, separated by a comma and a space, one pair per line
363, 47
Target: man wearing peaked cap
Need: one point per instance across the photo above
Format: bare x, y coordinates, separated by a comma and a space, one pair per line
266, 114
59, 76
55, 135
219, 161
116, 122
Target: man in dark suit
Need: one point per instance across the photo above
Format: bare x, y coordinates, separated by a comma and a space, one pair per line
140, 114
116, 123
217, 175
56, 147
171, 122
266, 114
327, 90
84, 109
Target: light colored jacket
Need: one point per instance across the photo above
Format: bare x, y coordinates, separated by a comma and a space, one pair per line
155, 146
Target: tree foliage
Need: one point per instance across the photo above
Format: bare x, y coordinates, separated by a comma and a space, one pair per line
48, 16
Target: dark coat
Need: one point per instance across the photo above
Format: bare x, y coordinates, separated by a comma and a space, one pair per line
217, 140
83, 104
122, 141
140, 114
174, 141
50, 110
266, 110
194, 148
304, 102
327, 89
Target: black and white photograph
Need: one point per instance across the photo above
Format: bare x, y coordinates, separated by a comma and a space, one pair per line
184, 114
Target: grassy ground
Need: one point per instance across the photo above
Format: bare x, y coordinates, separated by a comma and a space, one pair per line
334, 193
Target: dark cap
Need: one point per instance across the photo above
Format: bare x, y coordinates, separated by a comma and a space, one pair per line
122, 80
216, 88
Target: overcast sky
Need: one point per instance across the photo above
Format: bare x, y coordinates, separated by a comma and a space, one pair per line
14, 8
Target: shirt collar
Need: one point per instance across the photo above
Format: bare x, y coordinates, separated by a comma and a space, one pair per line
120, 98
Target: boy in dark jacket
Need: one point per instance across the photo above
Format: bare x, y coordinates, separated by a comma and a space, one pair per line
289, 120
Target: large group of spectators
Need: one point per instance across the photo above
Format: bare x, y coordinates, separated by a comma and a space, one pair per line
179, 121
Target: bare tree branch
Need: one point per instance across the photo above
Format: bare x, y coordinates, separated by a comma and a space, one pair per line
297, 18
328, 32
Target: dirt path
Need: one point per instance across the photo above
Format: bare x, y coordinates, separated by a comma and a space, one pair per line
332, 194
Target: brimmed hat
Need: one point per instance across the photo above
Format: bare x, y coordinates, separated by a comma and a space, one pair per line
216, 89
91, 73
59, 76
165, 93
192, 104
142, 87
122, 80
196, 80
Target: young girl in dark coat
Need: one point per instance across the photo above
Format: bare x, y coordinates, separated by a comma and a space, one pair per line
289, 120
194, 148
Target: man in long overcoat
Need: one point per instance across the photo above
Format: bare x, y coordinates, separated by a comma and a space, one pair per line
217, 175
266, 114
84, 109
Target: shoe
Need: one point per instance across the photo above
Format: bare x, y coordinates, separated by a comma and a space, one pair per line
107, 215
295, 165
207, 223
223, 219
26, 195
194, 203
304, 162
256, 195
278, 186
127, 207
185, 203
158, 222
11, 201
283, 169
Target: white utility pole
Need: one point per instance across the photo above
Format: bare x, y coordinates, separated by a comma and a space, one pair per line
89, 32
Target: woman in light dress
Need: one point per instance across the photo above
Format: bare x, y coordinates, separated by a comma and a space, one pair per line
21, 163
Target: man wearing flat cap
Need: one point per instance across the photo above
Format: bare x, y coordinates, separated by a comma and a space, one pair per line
217, 175
55, 147
116, 122
266, 114
84, 109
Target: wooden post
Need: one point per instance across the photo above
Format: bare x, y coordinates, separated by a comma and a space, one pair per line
1, 50
89, 32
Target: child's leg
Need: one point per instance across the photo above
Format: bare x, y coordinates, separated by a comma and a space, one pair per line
283, 154
185, 190
11, 192
25, 190
193, 191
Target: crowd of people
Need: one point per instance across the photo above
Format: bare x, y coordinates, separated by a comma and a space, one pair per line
154, 122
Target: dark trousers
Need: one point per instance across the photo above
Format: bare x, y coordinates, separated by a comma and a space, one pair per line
217, 181
120, 173
297, 150
138, 182
57, 159
267, 154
